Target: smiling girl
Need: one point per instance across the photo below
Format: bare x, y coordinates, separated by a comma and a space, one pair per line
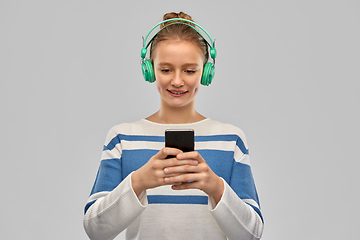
208, 193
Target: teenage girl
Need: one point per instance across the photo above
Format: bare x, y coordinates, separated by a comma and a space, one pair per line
208, 193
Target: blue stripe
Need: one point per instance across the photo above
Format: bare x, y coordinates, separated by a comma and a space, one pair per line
88, 205
144, 138
108, 175
242, 182
112, 143
221, 162
256, 210
175, 199
225, 138
135, 159
241, 145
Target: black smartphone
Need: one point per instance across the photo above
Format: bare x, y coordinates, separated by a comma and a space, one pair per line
180, 139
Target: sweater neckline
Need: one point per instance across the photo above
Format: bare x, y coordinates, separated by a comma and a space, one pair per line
175, 124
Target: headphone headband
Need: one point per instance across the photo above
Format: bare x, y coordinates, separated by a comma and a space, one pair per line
186, 22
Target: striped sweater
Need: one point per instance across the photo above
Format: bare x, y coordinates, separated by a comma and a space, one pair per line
163, 213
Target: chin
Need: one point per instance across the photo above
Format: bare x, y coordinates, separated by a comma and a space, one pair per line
179, 105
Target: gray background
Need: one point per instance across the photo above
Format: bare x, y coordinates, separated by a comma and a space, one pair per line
287, 73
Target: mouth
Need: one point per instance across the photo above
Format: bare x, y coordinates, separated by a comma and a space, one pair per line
177, 92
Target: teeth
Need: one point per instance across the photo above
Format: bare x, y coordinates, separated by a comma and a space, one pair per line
177, 92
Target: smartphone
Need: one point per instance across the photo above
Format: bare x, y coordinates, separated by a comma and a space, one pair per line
180, 139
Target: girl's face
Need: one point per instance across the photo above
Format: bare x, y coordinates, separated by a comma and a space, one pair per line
178, 67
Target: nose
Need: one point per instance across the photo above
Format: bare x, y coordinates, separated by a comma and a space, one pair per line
177, 80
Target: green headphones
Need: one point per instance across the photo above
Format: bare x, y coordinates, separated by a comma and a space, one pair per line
209, 68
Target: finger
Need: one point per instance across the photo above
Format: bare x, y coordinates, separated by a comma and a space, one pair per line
164, 152
171, 175
175, 184
187, 185
182, 168
183, 178
169, 164
191, 155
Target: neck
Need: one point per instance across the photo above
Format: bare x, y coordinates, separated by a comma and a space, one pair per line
171, 115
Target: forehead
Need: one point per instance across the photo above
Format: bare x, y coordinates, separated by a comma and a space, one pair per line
177, 51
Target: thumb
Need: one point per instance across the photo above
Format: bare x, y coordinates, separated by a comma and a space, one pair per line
166, 151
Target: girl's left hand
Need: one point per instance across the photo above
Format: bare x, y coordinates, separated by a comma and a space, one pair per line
195, 177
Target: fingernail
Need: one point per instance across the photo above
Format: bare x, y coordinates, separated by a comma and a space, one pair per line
166, 179
179, 155
166, 170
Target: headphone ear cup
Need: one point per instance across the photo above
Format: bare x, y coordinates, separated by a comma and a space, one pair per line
208, 74
148, 71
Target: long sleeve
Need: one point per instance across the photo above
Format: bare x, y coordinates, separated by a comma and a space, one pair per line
113, 213
238, 212
237, 219
112, 205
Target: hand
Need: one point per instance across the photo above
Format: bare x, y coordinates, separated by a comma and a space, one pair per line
198, 176
152, 174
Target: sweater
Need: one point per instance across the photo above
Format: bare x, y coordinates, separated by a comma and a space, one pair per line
163, 213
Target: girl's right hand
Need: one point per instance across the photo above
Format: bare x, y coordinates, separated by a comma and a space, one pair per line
152, 174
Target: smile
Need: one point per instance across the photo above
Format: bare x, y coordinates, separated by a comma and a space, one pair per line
176, 92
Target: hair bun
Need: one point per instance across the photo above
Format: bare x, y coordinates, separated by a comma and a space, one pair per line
175, 15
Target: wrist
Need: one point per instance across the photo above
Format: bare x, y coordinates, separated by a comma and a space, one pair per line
219, 190
136, 183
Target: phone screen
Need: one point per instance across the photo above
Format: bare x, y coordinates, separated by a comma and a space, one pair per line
180, 139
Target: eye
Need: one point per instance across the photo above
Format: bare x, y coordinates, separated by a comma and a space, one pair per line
165, 70
190, 71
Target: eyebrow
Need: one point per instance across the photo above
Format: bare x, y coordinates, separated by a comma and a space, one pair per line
185, 65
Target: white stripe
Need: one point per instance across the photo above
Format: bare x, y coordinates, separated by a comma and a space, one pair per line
166, 190
238, 154
252, 202
97, 195
110, 154
134, 145
237, 149
244, 158
216, 145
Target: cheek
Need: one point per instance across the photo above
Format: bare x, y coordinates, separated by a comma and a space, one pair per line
194, 88
158, 86
161, 85
196, 83
159, 82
